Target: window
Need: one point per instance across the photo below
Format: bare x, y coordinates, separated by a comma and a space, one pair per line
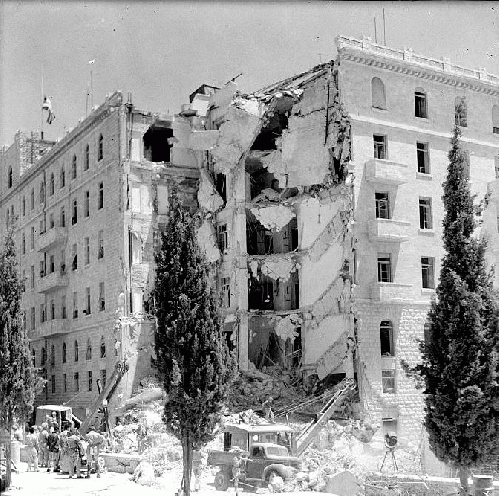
44, 356
43, 315
423, 158
103, 377
10, 178
51, 220
24, 206
74, 263
63, 309
63, 263
388, 381
52, 383
100, 152
378, 93
42, 268
496, 165
33, 357
382, 205
52, 355
42, 226
65, 382
222, 237
62, 178
102, 297
63, 217
460, 111
89, 377
86, 163
428, 272
23, 245
226, 292
88, 354
32, 199
386, 338
74, 217
76, 381
32, 237
420, 103
74, 168
495, 119
33, 318
100, 203
87, 301
380, 148
102, 347
64, 352
32, 277
100, 245
52, 309
87, 203
75, 305
76, 351
384, 267
51, 184
87, 251
51, 264
425, 221
42, 192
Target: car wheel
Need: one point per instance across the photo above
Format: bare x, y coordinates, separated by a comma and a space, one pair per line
222, 481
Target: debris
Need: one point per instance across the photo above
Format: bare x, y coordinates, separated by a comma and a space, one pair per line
278, 267
208, 197
207, 240
342, 484
286, 327
144, 474
273, 217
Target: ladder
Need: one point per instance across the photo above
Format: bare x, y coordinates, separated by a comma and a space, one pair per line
308, 434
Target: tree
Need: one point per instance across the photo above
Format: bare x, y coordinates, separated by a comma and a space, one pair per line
192, 358
460, 354
17, 375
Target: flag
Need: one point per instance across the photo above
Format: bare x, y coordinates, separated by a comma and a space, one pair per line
47, 105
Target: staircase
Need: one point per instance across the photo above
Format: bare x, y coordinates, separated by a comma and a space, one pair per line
308, 434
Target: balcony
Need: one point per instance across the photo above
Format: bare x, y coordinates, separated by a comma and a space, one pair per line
50, 328
390, 292
51, 238
52, 281
388, 230
385, 172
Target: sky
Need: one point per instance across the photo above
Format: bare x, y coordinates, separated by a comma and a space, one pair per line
162, 51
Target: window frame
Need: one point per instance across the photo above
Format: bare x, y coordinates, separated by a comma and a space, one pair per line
420, 103
386, 338
385, 267
428, 272
388, 383
425, 214
423, 157
380, 142
382, 205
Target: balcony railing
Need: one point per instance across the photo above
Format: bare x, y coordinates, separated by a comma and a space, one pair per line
51, 238
391, 292
52, 281
50, 328
389, 230
383, 171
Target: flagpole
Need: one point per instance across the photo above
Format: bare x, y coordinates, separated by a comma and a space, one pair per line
41, 110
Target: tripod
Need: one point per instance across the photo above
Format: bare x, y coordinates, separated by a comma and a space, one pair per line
390, 449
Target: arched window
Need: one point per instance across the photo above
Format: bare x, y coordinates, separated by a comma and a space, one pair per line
378, 93
495, 119
89, 350
102, 347
52, 355
460, 111
52, 184
420, 103
74, 168
100, 148
87, 157
76, 350
386, 338
64, 352
10, 178
44, 356
62, 178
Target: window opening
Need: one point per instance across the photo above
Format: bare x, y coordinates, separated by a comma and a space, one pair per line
423, 158
386, 338
378, 93
380, 148
384, 267
420, 103
382, 205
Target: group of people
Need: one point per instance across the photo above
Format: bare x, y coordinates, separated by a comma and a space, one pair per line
56, 450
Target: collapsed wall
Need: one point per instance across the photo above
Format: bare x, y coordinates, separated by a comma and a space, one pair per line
277, 210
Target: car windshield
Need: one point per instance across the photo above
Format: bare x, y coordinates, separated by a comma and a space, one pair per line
277, 450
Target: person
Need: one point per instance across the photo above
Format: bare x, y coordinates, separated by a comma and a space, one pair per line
197, 468
53, 446
267, 409
74, 447
237, 465
141, 435
43, 452
95, 442
32, 448
64, 450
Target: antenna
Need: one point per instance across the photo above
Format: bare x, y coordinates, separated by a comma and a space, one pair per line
384, 28
375, 31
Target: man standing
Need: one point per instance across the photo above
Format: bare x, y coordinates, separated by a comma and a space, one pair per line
197, 468
32, 446
237, 466
53, 446
95, 442
43, 452
74, 453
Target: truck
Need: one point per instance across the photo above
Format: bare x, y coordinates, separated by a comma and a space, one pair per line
267, 452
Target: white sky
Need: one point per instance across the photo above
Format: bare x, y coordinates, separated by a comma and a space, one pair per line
162, 51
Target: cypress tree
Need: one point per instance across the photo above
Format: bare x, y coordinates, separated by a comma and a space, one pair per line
17, 376
192, 358
460, 353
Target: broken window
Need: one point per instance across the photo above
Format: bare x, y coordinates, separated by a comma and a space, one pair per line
382, 205
386, 338
226, 292
425, 220
261, 293
461, 111
88, 354
420, 103
102, 347
222, 237
380, 148
157, 143
388, 381
277, 122
221, 186
423, 158
495, 119
428, 272
378, 93
384, 267
259, 240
